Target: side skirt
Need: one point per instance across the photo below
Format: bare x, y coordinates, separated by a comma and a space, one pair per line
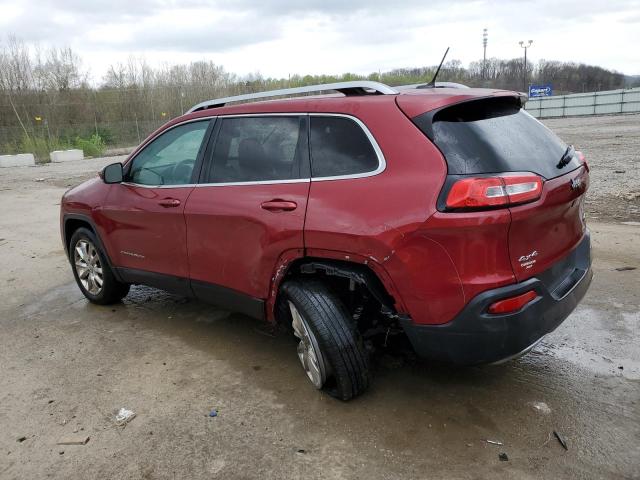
228, 299
222, 297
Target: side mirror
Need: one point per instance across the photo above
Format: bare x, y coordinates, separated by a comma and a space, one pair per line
112, 173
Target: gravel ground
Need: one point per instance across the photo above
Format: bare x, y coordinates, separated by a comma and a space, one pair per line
611, 145
67, 366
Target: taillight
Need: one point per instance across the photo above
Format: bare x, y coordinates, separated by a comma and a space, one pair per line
512, 304
476, 192
521, 189
497, 191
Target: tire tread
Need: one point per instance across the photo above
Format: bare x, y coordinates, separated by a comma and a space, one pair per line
337, 335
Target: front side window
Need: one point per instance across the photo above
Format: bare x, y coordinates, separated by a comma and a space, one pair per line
169, 159
339, 147
250, 149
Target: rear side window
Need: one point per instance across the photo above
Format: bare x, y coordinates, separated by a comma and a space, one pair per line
495, 135
250, 149
339, 147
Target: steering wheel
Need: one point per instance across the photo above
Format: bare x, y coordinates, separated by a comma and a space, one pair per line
182, 171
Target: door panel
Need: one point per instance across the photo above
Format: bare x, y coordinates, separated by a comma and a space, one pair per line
233, 241
251, 206
144, 232
145, 214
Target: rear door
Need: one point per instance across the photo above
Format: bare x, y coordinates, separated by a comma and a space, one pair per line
250, 206
495, 136
147, 233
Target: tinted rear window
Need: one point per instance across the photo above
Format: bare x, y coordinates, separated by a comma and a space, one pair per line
494, 135
339, 147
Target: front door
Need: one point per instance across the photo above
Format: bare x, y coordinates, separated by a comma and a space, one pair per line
249, 208
147, 234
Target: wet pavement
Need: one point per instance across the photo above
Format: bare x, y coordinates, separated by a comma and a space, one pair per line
67, 366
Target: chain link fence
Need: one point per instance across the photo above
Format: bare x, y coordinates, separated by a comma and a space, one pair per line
104, 119
115, 134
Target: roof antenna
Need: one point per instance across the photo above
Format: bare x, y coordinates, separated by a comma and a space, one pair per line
432, 83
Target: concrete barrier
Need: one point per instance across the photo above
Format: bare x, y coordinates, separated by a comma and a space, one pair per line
66, 155
19, 160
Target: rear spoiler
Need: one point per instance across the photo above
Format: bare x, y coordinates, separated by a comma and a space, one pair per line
427, 118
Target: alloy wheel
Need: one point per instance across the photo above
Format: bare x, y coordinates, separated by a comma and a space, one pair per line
88, 266
308, 351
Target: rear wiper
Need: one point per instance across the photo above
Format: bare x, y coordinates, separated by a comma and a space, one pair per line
567, 156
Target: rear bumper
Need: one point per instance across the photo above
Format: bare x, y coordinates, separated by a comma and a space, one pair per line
475, 336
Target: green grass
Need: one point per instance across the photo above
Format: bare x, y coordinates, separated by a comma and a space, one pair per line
92, 147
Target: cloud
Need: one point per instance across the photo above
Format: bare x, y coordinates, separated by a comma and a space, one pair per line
331, 36
213, 32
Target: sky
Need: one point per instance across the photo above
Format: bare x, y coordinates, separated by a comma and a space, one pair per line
281, 37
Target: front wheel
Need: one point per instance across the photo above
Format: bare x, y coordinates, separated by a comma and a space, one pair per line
330, 348
91, 270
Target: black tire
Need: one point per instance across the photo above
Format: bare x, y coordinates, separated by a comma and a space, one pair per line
112, 290
338, 339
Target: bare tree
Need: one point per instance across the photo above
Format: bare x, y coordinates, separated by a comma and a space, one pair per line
45, 94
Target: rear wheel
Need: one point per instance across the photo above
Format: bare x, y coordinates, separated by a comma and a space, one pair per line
330, 348
91, 271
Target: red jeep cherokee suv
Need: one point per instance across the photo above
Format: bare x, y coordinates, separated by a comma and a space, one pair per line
448, 216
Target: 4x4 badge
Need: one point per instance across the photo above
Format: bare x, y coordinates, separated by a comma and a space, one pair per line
527, 261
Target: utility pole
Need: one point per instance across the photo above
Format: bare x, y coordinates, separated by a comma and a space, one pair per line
485, 36
95, 111
524, 72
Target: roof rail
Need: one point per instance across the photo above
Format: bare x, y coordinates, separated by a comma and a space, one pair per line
437, 85
358, 87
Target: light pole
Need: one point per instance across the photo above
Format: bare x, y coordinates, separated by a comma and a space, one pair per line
524, 73
485, 36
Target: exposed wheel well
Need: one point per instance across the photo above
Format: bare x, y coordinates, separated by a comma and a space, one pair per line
358, 287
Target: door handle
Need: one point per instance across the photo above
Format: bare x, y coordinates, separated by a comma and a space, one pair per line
169, 202
279, 206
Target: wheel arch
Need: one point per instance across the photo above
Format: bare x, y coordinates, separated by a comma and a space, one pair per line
71, 222
355, 268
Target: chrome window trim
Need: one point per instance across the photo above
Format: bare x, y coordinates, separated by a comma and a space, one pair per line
266, 114
382, 164
256, 182
182, 185
149, 140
